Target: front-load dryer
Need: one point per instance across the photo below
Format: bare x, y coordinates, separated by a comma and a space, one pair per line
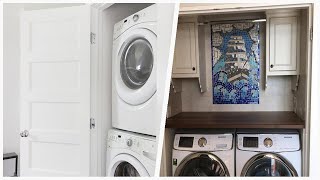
130, 154
134, 77
265, 153
203, 155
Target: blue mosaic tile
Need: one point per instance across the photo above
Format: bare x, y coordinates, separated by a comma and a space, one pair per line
236, 63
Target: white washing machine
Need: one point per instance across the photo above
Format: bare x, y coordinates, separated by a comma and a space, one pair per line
134, 78
268, 154
203, 155
130, 154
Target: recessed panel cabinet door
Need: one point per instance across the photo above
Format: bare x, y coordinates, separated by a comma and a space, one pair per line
55, 92
185, 53
283, 44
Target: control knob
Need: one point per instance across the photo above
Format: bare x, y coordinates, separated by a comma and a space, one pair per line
202, 142
129, 142
267, 142
135, 17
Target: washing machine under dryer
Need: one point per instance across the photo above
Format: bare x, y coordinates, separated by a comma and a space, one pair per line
268, 153
203, 155
134, 76
130, 154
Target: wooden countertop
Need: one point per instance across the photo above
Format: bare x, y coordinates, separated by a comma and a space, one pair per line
265, 119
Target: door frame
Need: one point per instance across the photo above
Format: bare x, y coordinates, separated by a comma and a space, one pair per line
96, 134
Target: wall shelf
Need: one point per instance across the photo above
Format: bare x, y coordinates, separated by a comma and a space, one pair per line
263, 120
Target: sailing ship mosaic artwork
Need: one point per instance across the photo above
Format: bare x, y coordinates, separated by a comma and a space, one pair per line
236, 63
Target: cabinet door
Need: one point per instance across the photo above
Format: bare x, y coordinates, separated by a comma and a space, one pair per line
55, 92
283, 44
185, 54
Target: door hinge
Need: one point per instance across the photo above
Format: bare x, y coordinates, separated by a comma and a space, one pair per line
92, 123
311, 33
92, 38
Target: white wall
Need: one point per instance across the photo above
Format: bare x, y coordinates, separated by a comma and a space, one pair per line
11, 63
277, 97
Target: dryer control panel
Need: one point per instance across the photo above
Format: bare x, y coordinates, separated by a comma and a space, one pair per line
203, 142
148, 14
268, 142
140, 144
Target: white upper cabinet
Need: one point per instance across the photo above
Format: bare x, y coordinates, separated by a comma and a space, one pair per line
186, 58
283, 49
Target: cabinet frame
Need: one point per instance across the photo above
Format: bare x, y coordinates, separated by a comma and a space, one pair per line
192, 73
273, 14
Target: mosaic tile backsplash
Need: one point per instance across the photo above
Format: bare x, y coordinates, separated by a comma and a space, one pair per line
236, 63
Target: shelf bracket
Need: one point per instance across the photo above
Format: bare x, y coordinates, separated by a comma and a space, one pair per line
176, 85
202, 85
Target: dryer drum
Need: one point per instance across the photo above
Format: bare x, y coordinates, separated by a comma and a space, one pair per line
268, 164
136, 63
126, 169
202, 164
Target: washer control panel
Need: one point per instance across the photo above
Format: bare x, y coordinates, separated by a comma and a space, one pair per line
268, 142
133, 142
203, 142
148, 14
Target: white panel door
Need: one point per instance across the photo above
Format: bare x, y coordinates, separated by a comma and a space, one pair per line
185, 53
283, 44
55, 92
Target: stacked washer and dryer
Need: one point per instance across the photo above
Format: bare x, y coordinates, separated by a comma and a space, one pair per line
251, 153
131, 143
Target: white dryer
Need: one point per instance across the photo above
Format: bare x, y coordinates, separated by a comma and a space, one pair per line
203, 155
134, 75
130, 154
268, 154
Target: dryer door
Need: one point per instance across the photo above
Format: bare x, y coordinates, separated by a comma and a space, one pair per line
135, 74
202, 164
126, 165
268, 164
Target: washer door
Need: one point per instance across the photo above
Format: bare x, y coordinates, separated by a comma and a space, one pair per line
126, 165
136, 66
202, 164
268, 164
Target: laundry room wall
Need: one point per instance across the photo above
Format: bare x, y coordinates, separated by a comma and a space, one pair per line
11, 64
277, 96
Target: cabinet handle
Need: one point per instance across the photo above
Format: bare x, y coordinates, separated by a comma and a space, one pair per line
271, 65
193, 68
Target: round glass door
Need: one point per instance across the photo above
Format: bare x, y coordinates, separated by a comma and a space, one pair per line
269, 165
136, 63
126, 169
203, 164
126, 165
